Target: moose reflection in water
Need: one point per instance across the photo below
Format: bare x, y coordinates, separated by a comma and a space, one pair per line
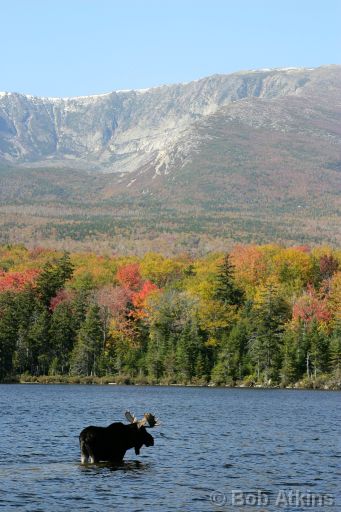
110, 443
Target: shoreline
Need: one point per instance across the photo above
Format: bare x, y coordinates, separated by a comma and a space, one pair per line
327, 385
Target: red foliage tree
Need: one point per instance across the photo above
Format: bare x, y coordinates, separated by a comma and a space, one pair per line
129, 277
17, 281
310, 307
139, 299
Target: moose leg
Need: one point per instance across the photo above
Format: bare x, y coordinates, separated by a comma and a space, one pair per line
84, 453
93, 458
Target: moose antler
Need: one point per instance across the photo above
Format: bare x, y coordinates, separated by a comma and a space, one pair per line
150, 419
130, 417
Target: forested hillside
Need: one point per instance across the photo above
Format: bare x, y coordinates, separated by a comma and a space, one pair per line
258, 315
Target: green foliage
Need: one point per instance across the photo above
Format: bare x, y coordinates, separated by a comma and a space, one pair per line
8, 333
63, 329
319, 350
175, 348
85, 359
53, 277
233, 358
269, 315
226, 289
335, 349
289, 370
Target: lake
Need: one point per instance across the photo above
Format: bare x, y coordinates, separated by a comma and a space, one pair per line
217, 449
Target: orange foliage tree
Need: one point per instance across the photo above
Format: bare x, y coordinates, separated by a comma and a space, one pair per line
311, 307
17, 281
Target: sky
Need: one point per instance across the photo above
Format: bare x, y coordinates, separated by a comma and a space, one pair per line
82, 47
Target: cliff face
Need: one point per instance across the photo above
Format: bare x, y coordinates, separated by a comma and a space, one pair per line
126, 131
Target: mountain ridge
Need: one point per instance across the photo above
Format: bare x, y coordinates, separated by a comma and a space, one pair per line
96, 95
122, 131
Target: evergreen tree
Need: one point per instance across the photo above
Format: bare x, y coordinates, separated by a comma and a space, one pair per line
319, 350
8, 333
226, 289
62, 334
89, 346
290, 368
165, 326
232, 358
27, 311
38, 342
335, 349
53, 277
188, 350
302, 349
154, 359
270, 314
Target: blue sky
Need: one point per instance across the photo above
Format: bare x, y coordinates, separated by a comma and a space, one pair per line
80, 47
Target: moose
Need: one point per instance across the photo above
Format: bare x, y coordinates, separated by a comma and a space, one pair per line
110, 443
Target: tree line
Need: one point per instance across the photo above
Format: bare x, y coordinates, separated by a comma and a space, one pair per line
265, 315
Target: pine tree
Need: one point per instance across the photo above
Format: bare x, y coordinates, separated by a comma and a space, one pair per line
8, 333
89, 346
183, 358
38, 340
62, 334
155, 356
319, 350
335, 349
27, 311
232, 357
226, 290
270, 314
289, 371
53, 277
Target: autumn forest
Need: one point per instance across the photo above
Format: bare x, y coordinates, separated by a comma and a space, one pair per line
256, 316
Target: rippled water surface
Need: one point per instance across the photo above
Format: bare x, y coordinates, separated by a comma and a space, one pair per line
210, 440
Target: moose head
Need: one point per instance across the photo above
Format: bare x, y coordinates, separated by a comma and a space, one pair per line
143, 437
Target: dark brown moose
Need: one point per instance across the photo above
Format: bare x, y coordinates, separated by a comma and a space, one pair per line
111, 443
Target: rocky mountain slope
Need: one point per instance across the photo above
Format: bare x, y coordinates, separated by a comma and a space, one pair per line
126, 130
252, 156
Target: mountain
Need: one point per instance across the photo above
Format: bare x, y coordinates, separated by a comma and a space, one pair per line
251, 156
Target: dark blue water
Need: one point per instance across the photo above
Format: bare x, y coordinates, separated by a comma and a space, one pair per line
263, 443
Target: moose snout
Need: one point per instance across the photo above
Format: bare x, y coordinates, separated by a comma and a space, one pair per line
150, 442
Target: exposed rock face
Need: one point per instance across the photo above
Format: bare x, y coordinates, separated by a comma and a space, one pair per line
126, 131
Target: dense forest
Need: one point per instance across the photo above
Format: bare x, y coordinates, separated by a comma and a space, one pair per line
258, 315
